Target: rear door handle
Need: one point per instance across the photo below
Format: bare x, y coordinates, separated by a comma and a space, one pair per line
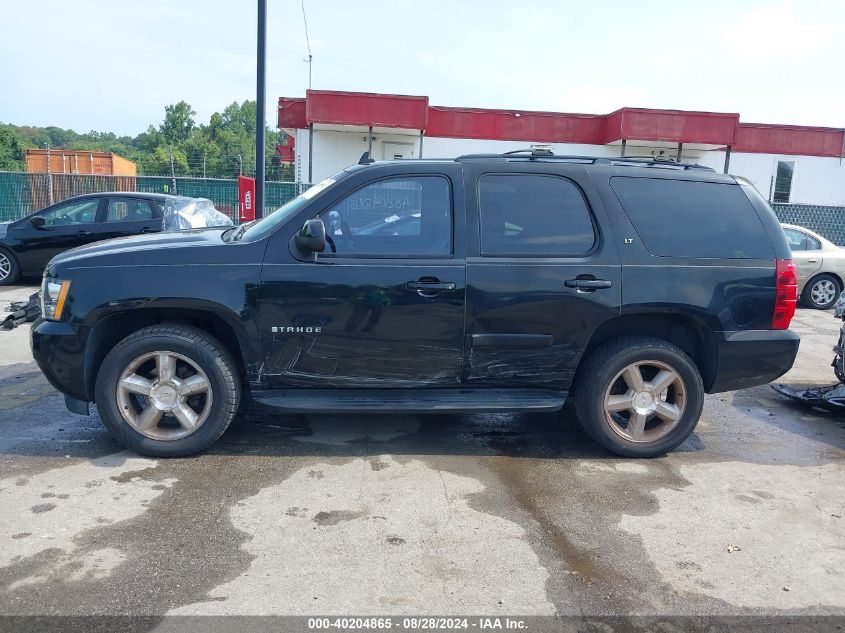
812, 261
147, 229
587, 284
84, 233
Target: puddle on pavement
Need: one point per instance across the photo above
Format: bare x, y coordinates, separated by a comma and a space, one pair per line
397, 539
786, 522
81, 497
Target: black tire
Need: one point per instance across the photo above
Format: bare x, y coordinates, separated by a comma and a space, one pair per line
807, 293
14, 273
198, 346
839, 369
604, 365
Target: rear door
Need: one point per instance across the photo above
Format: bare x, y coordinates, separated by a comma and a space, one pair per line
542, 273
384, 307
124, 216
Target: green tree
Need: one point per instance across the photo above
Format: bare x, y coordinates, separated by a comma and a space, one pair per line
178, 123
216, 149
11, 151
158, 162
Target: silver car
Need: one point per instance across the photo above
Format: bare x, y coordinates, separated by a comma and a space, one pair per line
820, 265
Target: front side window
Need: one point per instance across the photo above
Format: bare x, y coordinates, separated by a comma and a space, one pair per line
533, 215
129, 210
80, 212
409, 216
783, 181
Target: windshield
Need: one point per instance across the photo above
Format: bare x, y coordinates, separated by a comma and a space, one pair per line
266, 225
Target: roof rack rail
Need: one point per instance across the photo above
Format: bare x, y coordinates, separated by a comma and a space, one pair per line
544, 154
534, 151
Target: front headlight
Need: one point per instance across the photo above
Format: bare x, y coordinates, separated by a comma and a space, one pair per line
53, 298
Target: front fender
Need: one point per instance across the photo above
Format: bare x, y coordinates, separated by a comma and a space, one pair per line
107, 304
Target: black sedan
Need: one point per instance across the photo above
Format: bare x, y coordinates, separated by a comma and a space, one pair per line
26, 245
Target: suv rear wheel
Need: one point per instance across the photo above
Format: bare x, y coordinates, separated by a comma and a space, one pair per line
639, 396
167, 390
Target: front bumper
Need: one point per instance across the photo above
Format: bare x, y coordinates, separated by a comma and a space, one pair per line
752, 357
59, 350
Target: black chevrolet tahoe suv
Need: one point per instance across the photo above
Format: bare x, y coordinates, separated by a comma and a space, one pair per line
484, 283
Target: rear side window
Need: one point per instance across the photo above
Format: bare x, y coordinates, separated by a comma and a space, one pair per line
533, 215
800, 241
130, 210
682, 218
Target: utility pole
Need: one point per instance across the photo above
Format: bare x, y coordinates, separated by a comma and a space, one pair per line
203, 165
310, 57
241, 163
172, 172
49, 177
260, 105
308, 61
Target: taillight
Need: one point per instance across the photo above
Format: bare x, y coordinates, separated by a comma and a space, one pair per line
786, 297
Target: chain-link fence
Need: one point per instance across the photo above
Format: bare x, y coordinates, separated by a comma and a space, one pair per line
828, 222
21, 193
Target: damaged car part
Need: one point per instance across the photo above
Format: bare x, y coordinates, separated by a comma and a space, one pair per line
828, 397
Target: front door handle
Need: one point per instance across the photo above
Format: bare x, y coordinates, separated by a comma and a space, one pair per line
430, 286
587, 284
147, 229
84, 233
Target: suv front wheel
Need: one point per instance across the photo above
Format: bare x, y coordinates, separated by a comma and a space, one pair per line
639, 396
167, 390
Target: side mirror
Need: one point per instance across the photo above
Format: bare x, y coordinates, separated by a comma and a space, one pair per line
37, 222
311, 237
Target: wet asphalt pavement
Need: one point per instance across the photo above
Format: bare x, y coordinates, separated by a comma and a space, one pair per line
482, 514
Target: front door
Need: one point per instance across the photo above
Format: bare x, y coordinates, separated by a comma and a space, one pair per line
385, 307
540, 279
66, 225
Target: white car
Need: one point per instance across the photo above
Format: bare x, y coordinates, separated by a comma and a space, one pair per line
820, 266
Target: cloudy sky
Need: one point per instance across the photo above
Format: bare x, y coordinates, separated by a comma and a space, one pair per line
113, 65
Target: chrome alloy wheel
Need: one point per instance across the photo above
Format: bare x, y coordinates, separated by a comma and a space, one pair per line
5, 266
823, 292
164, 395
645, 401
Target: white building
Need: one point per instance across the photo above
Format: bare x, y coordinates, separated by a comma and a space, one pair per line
787, 163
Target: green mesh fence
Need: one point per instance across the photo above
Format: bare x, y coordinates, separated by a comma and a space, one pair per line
21, 193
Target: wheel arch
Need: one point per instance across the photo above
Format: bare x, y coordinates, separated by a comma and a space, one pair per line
114, 327
688, 332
